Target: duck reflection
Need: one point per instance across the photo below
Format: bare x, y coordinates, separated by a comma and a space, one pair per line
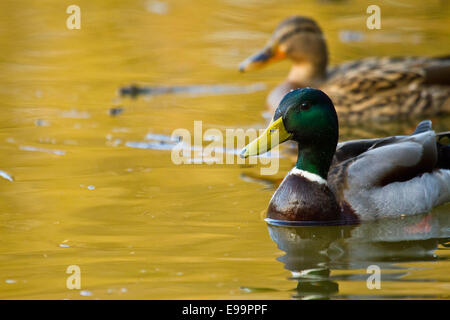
312, 252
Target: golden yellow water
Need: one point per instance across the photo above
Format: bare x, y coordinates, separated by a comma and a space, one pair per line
140, 227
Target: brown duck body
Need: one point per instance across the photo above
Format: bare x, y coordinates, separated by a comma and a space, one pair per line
300, 199
381, 88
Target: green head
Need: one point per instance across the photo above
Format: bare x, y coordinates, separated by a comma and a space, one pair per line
308, 117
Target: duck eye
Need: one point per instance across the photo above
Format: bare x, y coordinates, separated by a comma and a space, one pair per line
305, 105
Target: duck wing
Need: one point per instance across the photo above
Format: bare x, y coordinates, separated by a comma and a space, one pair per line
394, 176
350, 149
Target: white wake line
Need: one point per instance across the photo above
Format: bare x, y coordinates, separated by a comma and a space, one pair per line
186, 147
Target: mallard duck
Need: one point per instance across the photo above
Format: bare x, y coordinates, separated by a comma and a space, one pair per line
372, 88
354, 180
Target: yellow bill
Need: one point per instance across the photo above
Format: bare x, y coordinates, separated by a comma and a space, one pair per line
273, 136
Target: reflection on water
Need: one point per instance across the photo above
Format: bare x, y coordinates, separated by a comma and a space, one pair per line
312, 253
192, 90
86, 176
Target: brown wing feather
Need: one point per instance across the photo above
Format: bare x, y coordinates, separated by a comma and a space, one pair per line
390, 88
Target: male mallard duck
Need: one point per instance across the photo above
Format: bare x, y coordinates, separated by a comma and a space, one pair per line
371, 88
358, 180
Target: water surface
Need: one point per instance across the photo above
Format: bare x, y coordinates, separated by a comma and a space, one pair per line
80, 186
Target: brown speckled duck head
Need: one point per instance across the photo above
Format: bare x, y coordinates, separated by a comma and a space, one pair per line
299, 39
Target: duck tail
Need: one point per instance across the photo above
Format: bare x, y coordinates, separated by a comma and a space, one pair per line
443, 146
423, 126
